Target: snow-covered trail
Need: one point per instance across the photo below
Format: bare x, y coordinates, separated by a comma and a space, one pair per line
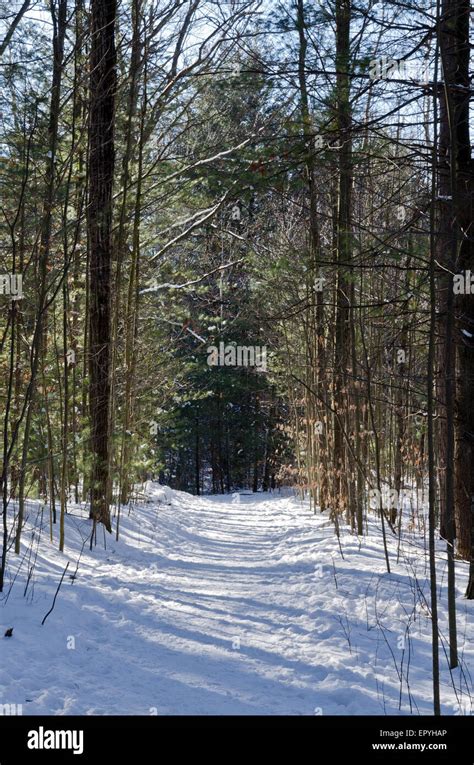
212, 606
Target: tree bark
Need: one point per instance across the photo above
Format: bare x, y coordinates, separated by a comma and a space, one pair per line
343, 240
99, 218
38, 344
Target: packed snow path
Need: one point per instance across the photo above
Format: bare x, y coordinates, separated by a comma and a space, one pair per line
225, 605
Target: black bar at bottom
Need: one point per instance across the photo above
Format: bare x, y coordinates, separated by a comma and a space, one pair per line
105, 739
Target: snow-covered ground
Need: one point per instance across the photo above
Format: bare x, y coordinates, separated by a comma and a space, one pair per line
226, 605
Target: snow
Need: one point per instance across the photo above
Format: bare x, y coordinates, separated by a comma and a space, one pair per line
226, 605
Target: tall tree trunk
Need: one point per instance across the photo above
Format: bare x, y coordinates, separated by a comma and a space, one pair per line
343, 239
99, 218
59, 19
121, 248
430, 412
456, 188
316, 374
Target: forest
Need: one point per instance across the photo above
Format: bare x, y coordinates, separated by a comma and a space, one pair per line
237, 299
